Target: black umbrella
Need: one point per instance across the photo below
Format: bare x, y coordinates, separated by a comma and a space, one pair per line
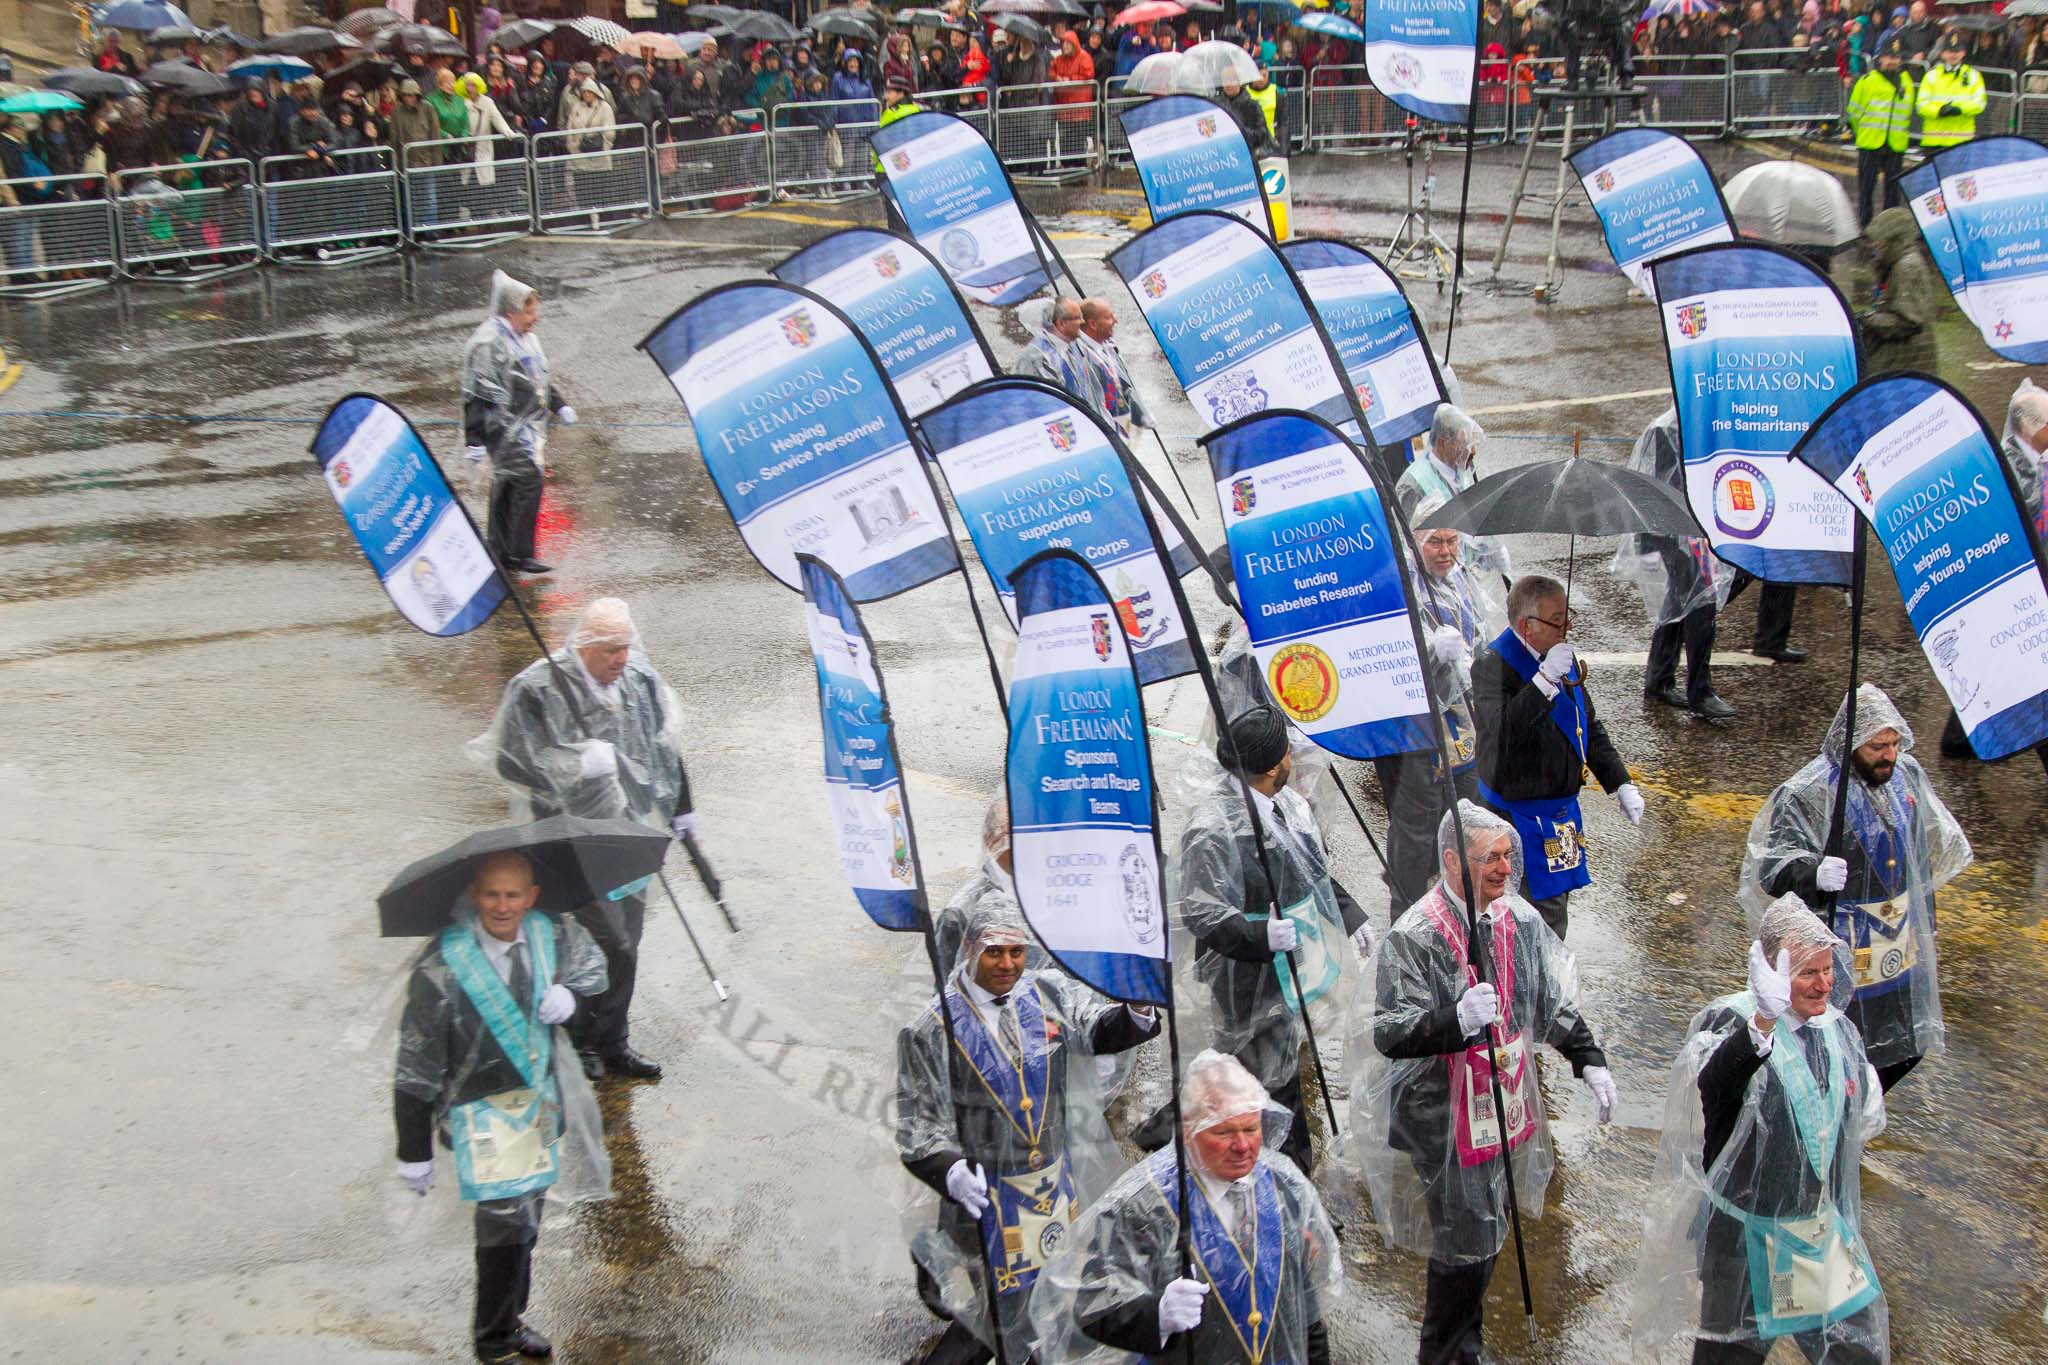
301, 42
1030, 30
421, 38
847, 23
227, 37
1975, 23
1068, 8
760, 27
185, 79
88, 82
364, 22
928, 18
368, 72
577, 861
173, 33
522, 33
695, 16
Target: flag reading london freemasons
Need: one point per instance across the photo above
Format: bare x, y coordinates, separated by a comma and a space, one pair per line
957, 201
408, 523
1922, 188
863, 782
904, 306
1995, 190
1320, 586
1082, 837
1028, 469
1190, 153
1422, 55
1917, 462
1378, 337
803, 437
1760, 345
1653, 196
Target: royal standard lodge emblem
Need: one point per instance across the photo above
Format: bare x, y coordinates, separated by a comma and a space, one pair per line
1692, 320
799, 329
887, 266
1099, 628
1603, 180
1244, 496
1060, 430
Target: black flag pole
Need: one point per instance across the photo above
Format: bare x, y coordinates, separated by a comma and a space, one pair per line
1464, 198
1837, 819
1174, 469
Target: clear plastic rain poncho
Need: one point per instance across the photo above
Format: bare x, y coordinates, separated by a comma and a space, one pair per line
1098, 1299
1436, 474
1752, 1229
1031, 1111
1234, 993
2028, 412
512, 1117
1901, 844
1676, 574
564, 745
1462, 599
1422, 1110
505, 379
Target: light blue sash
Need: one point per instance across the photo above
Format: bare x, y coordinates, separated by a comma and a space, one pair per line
526, 1042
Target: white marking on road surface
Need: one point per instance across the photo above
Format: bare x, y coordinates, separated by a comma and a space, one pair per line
1638, 658
1588, 401
1995, 365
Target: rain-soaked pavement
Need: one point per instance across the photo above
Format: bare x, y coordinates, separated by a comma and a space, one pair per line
222, 742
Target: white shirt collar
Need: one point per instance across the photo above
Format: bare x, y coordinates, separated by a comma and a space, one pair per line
498, 951
608, 695
1217, 1192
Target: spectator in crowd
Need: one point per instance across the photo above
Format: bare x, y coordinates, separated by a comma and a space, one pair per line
452, 112
1023, 64
1881, 113
1135, 46
1897, 322
1100, 59
1076, 97
251, 126
1918, 34
851, 91
535, 96
969, 58
412, 122
486, 122
572, 92
1951, 98
1759, 33
310, 138
940, 71
772, 86
899, 59
498, 84
110, 57
695, 109
639, 106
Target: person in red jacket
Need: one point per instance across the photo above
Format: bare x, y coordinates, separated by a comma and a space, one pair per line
1077, 101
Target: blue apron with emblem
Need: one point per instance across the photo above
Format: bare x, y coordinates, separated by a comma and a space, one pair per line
1805, 1273
504, 1144
1029, 1211
1883, 936
1551, 828
1246, 1275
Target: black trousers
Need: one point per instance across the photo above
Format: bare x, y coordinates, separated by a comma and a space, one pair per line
515, 508
1823, 1351
1556, 912
1873, 164
506, 1230
1773, 612
1453, 1312
599, 1024
1694, 632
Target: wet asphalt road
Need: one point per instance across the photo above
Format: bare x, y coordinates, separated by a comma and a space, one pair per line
222, 742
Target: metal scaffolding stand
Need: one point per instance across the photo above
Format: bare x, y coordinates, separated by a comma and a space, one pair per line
1415, 240
1606, 104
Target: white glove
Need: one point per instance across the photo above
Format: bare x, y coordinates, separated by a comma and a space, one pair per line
1281, 935
1558, 662
1365, 940
1601, 1082
684, 825
596, 758
967, 1187
1180, 1307
1478, 1007
1832, 875
566, 415
476, 454
557, 1005
1874, 1117
1447, 646
417, 1175
1772, 986
1631, 802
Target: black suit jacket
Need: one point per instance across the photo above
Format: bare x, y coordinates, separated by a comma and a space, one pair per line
1523, 755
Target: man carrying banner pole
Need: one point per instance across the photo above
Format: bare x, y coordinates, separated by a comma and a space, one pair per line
507, 398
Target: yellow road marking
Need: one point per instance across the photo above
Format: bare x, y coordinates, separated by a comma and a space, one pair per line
8, 373
788, 216
1587, 401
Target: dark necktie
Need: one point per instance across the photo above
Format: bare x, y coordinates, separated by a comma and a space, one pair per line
1816, 1060
1240, 1211
1006, 1028
520, 978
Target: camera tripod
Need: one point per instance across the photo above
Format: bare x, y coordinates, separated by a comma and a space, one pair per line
1415, 239
1605, 107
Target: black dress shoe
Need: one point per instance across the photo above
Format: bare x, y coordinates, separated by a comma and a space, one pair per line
626, 1062
1668, 694
1785, 654
533, 1344
593, 1065
1713, 708
535, 566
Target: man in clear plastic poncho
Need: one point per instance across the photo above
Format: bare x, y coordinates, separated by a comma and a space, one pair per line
1447, 468
1457, 617
1753, 1231
1264, 1261
1423, 1115
506, 399
1003, 1122
1684, 586
592, 730
478, 1067
1899, 846
1227, 879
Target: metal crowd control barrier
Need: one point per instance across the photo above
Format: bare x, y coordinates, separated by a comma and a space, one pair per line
1685, 95
2033, 117
591, 181
822, 147
1347, 115
58, 239
454, 202
1527, 115
333, 211
1293, 111
1494, 97
1116, 98
704, 175
1041, 137
1766, 95
186, 223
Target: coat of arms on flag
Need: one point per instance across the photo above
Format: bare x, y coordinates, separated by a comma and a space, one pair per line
1863, 485
1937, 205
900, 160
1603, 180
1154, 284
1244, 496
887, 266
1206, 125
1061, 432
1966, 187
799, 329
1099, 627
1692, 319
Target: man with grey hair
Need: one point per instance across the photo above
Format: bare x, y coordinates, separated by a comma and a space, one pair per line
1447, 468
1055, 355
1265, 1264
1538, 737
1755, 1210
507, 398
592, 730
1121, 403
